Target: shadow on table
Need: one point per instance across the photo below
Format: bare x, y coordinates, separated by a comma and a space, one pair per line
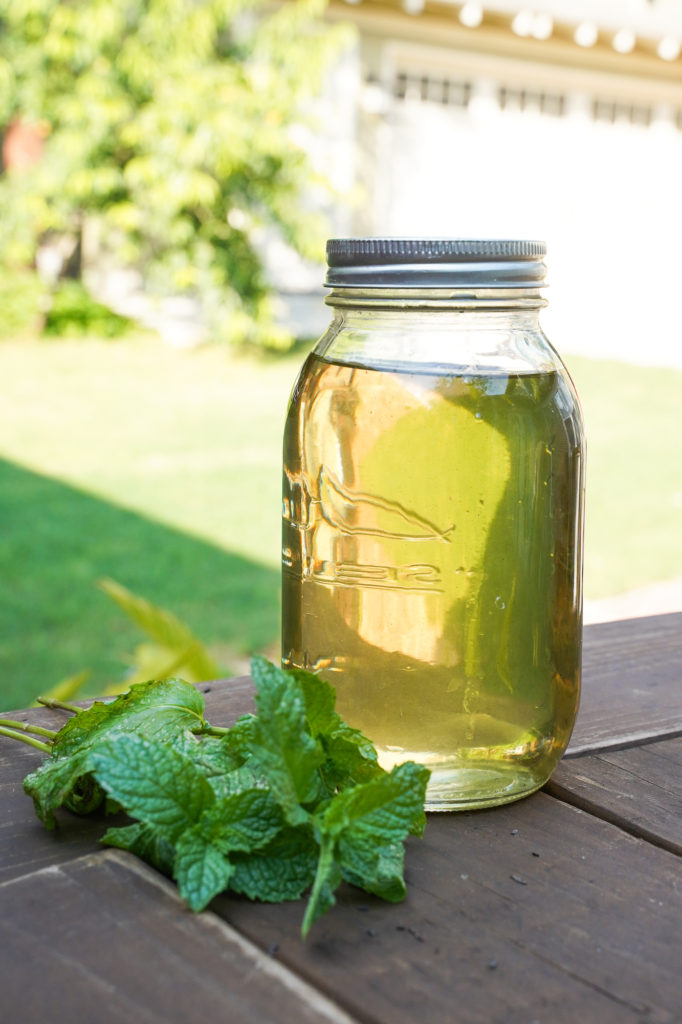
56, 541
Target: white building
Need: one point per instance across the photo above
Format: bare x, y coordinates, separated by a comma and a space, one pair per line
559, 120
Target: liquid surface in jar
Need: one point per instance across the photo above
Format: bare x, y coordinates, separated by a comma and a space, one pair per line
430, 567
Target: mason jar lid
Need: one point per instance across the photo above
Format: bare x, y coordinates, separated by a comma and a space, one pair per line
435, 263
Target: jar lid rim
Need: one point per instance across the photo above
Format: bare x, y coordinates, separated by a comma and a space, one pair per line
376, 251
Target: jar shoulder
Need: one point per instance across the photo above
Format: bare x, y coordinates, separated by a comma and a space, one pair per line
451, 343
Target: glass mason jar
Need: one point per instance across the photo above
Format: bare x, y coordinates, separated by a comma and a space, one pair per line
433, 514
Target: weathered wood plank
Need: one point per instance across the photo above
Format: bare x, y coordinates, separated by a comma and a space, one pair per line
533, 911
518, 937
586, 930
639, 789
228, 699
632, 683
106, 939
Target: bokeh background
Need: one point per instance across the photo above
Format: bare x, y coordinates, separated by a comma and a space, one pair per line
170, 170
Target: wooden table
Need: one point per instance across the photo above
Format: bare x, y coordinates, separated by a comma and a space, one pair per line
562, 907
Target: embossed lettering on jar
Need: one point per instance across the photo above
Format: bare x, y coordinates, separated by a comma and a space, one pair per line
432, 514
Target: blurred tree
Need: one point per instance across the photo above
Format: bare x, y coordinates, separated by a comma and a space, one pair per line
170, 123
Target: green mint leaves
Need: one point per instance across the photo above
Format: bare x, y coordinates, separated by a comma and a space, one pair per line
157, 711
286, 752
152, 783
287, 800
361, 836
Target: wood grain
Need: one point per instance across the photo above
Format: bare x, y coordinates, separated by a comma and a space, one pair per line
534, 911
228, 699
632, 683
639, 789
531, 912
106, 939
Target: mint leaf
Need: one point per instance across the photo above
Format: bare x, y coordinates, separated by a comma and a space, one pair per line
209, 753
283, 870
361, 833
55, 781
379, 870
200, 869
239, 739
159, 710
147, 842
152, 782
371, 823
86, 795
238, 781
351, 758
290, 799
383, 810
242, 821
319, 699
155, 710
282, 743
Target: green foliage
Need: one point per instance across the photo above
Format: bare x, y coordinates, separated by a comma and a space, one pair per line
276, 828
171, 122
157, 712
74, 314
151, 712
22, 302
287, 752
152, 782
28, 309
174, 647
69, 687
145, 842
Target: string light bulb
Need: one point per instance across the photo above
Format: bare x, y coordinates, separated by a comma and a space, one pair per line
668, 48
471, 15
539, 26
586, 33
624, 40
522, 24
543, 26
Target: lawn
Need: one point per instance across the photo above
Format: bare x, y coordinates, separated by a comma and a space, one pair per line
161, 468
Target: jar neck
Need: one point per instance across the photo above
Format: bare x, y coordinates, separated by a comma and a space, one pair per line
492, 339
377, 319
420, 299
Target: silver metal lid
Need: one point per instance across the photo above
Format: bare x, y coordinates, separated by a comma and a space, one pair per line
435, 263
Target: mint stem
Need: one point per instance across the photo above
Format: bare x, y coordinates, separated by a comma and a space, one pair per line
27, 727
324, 863
16, 735
213, 730
52, 702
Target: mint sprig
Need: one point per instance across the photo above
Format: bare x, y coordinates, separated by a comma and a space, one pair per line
159, 710
287, 800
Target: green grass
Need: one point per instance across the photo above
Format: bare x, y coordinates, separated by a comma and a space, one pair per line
157, 467
633, 422
161, 469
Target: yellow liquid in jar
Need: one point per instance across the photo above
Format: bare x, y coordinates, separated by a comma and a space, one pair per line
431, 539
